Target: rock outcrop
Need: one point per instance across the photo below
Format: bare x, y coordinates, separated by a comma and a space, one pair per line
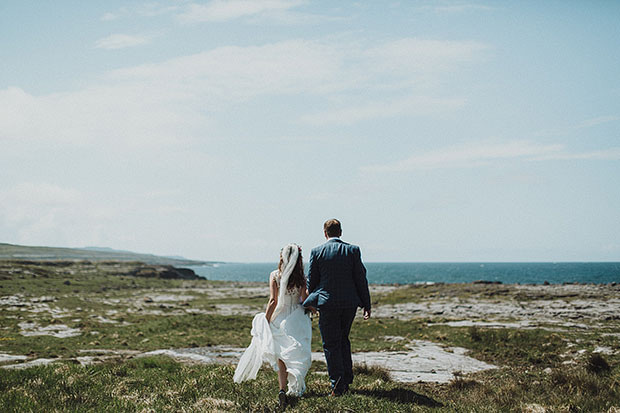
164, 271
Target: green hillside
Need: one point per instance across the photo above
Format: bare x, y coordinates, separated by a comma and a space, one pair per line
21, 252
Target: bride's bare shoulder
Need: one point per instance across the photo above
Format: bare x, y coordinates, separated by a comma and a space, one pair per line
275, 275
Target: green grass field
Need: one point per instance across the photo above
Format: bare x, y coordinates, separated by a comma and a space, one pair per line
558, 369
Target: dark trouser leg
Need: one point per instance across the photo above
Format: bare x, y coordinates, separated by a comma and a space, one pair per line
345, 346
335, 326
330, 327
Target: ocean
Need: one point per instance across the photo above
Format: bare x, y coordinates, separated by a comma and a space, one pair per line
418, 272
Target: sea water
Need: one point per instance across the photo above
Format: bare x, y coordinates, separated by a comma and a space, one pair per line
419, 272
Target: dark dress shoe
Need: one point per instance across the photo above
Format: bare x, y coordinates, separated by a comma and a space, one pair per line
336, 393
282, 399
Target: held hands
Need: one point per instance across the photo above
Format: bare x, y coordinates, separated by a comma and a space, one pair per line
311, 309
314, 311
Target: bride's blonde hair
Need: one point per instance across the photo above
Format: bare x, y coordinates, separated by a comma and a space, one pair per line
297, 278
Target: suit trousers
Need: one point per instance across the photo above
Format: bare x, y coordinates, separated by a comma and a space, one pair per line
335, 325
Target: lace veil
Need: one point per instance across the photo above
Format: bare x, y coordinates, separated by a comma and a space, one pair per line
290, 255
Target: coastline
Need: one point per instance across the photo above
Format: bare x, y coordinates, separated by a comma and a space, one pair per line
435, 272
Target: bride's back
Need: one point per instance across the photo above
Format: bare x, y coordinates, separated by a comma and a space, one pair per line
290, 298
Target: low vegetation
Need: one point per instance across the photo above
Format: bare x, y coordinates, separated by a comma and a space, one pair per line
555, 369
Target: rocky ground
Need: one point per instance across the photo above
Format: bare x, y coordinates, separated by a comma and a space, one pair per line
104, 299
542, 306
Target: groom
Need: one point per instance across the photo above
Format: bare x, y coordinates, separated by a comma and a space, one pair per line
337, 285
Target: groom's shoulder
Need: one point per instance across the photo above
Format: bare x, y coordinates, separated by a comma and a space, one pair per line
317, 250
333, 245
353, 249
349, 245
318, 247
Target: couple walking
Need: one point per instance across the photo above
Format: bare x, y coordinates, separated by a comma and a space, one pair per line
281, 336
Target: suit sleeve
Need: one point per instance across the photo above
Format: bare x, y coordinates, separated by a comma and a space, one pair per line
361, 282
313, 273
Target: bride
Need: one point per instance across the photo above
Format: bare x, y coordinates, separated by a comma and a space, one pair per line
281, 335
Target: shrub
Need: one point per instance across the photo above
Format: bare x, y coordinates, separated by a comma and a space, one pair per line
597, 364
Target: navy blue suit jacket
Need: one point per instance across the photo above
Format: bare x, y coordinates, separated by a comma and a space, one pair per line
337, 277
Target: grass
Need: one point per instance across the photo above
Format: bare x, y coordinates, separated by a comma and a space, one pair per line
161, 384
533, 362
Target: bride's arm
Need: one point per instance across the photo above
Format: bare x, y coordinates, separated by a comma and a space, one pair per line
273, 298
303, 295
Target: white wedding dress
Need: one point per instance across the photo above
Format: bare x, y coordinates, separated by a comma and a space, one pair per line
287, 338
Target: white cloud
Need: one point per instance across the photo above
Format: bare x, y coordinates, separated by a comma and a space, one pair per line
468, 155
109, 17
609, 154
414, 67
223, 10
455, 7
311, 67
422, 56
588, 123
584, 124
155, 9
410, 106
176, 99
120, 114
483, 153
122, 41
151, 9
42, 211
42, 194
238, 73
459, 8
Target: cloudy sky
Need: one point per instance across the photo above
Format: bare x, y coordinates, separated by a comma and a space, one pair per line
222, 130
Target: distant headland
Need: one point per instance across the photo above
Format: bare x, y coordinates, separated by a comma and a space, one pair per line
36, 253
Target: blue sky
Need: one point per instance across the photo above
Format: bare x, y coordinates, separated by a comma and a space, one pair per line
436, 131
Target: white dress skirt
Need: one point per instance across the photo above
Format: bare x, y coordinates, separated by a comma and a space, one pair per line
287, 338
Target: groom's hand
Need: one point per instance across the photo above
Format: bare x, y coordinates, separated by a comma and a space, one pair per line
366, 314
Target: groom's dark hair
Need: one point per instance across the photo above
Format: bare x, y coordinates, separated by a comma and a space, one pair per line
333, 228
